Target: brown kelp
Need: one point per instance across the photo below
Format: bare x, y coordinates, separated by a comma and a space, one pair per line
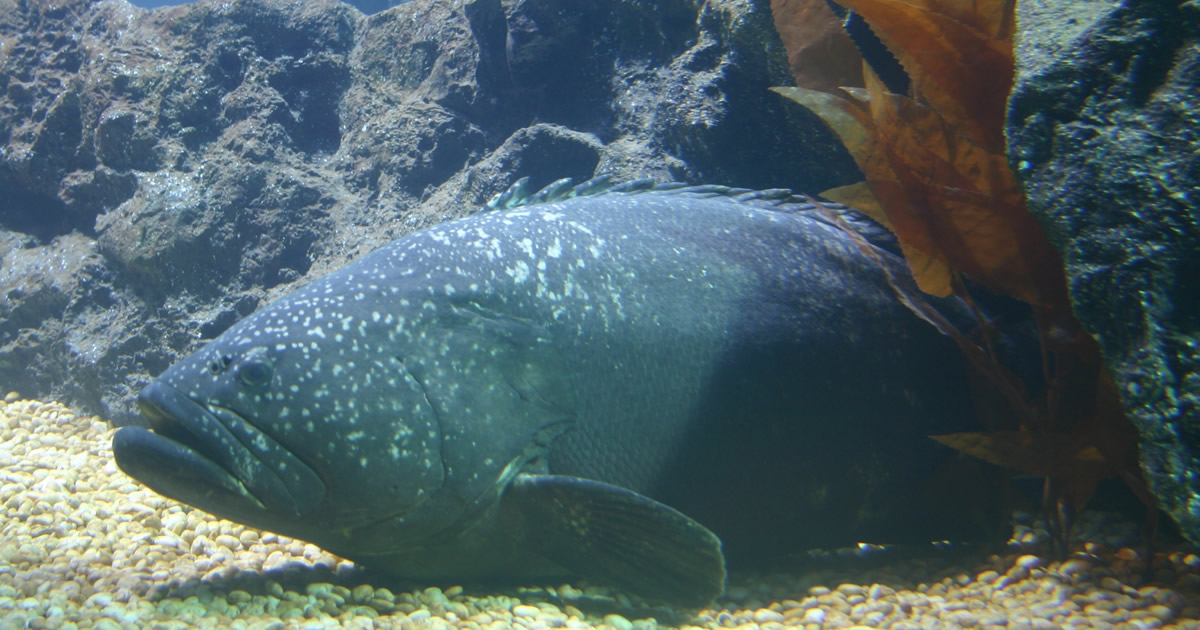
937, 175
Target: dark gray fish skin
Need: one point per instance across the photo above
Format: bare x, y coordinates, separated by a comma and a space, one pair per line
584, 386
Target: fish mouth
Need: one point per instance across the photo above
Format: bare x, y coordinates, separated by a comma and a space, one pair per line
212, 458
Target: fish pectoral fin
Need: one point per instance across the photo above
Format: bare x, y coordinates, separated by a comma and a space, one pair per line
605, 532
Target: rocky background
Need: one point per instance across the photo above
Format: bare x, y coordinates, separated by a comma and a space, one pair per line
366, 6
163, 172
1104, 130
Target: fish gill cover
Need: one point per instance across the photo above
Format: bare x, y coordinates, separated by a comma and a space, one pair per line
937, 175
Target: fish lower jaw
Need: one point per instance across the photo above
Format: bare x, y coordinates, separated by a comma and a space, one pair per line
177, 471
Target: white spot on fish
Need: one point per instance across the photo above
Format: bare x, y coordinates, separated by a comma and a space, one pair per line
519, 272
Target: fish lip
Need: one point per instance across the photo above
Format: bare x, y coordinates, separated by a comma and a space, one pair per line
168, 425
250, 458
177, 418
174, 470
170, 459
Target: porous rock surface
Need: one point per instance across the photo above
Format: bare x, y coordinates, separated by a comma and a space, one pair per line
1104, 130
163, 172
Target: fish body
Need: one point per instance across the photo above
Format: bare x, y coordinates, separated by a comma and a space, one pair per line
629, 386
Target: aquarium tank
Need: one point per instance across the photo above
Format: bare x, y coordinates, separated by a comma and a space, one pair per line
611, 314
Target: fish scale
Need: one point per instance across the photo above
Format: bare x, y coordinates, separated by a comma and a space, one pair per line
634, 383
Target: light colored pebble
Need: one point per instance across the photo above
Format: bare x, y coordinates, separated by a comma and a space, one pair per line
362, 593
765, 615
618, 622
102, 545
1028, 562
1075, 566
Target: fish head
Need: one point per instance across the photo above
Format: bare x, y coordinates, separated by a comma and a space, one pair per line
362, 429
302, 434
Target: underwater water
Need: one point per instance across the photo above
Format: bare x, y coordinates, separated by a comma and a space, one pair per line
83, 545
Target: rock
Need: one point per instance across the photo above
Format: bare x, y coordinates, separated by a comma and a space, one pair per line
618, 622
1104, 125
366, 6
166, 171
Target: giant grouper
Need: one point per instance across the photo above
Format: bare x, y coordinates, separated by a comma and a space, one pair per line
631, 384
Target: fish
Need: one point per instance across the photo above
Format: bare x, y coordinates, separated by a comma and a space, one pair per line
631, 383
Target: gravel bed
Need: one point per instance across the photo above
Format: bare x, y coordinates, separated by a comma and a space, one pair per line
83, 546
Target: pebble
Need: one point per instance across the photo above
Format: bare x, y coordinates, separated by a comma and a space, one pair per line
87, 548
1028, 562
618, 622
362, 593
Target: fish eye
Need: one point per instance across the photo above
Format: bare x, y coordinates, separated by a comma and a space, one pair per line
255, 373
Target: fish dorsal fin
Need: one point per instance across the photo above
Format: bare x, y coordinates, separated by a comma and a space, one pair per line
521, 195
